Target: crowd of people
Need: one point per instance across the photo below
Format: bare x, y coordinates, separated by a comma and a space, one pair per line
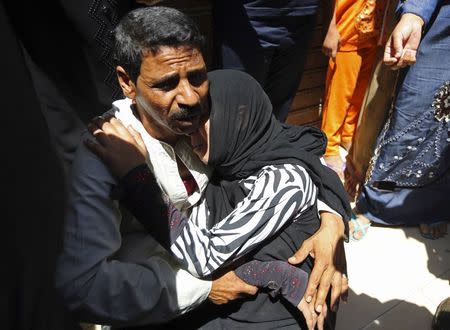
165, 196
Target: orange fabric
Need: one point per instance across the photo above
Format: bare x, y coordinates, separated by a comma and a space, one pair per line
347, 80
359, 22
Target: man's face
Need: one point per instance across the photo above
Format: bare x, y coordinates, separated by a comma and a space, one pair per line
171, 91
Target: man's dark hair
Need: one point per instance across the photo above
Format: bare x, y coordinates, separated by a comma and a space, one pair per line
146, 30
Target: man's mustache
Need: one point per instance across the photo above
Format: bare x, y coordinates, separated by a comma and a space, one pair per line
187, 112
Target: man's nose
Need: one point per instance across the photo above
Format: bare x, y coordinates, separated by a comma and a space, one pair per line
187, 94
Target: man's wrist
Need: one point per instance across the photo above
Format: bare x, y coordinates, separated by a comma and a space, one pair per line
331, 219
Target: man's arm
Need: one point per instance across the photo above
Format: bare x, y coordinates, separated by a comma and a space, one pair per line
326, 246
97, 281
332, 38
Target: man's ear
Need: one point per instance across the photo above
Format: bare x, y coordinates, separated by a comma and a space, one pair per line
125, 82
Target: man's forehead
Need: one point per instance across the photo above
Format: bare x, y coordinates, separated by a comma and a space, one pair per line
175, 56
170, 61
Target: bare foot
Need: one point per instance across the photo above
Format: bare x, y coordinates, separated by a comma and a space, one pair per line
353, 179
358, 227
434, 231
336, 164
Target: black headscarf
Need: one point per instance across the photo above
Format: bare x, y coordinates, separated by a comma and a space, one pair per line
245, 136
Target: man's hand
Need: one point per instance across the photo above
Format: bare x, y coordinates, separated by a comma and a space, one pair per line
120, 148
230, 287
401, 47
309, 313
327, 248
332, 41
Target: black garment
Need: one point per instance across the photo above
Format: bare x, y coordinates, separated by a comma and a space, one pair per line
61, 77
34, 192
278, 9
245, 136
268, 40
67, 46
71, 41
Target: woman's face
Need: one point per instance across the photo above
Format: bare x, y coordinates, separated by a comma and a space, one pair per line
200, 142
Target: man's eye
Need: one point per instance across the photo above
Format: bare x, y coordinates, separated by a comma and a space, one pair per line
197, 78
167, 85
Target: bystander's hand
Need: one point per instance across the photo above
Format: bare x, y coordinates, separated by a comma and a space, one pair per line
326, 246
401, 47
119, 147
332, 41
229, 287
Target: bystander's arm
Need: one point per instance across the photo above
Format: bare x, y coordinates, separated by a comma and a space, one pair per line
332, 39
403, 43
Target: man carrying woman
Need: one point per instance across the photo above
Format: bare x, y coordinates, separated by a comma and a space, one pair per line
260, 204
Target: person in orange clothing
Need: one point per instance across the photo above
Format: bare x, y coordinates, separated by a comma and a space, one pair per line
351, 44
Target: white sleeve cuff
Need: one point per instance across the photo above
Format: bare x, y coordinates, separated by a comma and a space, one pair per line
322, 207
191, 291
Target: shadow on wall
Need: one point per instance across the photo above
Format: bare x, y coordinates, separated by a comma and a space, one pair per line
365, 312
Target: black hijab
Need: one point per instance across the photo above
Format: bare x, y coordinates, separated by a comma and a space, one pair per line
245, 136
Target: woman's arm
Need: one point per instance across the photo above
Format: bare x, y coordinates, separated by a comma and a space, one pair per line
278, 195
278, 277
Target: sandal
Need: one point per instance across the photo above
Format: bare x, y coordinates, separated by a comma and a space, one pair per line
358, 227
429, 234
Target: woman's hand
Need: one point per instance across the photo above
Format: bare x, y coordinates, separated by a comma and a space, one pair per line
120, 148
327, 248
